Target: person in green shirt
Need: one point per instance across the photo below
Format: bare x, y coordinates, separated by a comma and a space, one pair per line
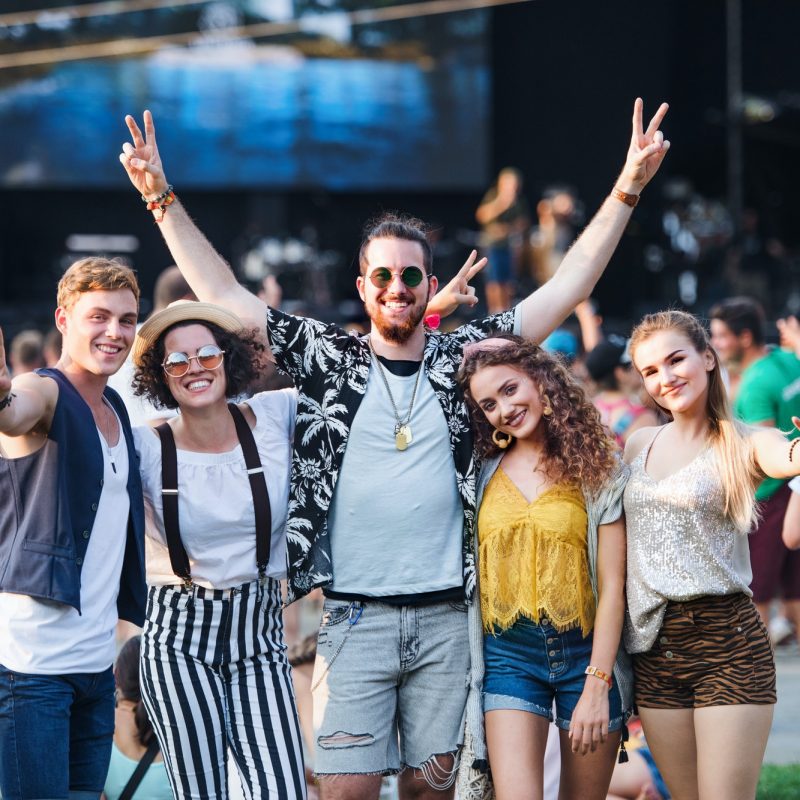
768, 394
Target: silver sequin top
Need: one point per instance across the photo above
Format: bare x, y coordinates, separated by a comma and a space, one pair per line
680, 546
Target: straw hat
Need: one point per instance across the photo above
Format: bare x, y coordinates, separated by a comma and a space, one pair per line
182, 311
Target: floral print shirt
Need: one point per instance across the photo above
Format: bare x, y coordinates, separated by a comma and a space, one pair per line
330, 368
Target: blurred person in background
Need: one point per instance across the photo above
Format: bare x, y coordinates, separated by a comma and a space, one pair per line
26, 352
618, 384
559, 219
768, 395
137, 766
51, 348
504, 217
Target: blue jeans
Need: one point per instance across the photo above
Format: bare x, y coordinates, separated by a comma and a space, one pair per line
55, 734
530, 666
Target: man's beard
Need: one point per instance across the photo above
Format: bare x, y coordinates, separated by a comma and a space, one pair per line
397, 333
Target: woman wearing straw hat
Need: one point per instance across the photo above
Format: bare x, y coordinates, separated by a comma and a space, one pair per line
216, 478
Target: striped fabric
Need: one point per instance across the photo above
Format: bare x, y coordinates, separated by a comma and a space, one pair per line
215, 676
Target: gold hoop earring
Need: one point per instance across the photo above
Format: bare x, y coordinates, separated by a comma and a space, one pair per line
547, 410
501, 443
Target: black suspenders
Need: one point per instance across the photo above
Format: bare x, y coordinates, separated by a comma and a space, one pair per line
169, 496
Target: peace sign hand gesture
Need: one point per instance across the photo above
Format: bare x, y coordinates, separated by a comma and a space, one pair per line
646, 151
458, 291
141, 159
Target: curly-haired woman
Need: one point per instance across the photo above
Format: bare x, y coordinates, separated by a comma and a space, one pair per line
215, 676
551, 546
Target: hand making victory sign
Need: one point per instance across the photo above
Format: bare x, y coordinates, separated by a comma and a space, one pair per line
141, 159
646, 151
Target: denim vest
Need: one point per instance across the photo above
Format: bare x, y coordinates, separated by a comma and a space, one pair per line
48, 504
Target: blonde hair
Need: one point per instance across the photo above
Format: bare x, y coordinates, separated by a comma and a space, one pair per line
733, 452
93, 274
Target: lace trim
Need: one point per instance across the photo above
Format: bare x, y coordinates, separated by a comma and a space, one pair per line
533, 559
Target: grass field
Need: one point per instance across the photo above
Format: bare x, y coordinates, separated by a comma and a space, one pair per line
779, 782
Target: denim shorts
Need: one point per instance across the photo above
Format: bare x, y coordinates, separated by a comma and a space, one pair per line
390, 685
530, 665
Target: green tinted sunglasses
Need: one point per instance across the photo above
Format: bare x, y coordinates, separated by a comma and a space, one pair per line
382, 277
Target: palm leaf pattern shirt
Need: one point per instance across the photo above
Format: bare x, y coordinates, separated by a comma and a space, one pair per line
330, 368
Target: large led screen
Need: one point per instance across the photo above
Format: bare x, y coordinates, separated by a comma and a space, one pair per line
304, 94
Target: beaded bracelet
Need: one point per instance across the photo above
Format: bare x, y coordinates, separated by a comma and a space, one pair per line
6, 401
161, 203
792, 446
598, 673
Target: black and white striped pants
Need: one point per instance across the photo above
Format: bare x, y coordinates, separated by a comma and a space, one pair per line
215, 676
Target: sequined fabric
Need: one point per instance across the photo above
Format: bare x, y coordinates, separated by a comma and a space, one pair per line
680, 545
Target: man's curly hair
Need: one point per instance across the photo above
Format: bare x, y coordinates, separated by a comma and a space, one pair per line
577, 447
242, 362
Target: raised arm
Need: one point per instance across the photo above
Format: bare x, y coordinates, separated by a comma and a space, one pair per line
27, 402
583, 265
203, 267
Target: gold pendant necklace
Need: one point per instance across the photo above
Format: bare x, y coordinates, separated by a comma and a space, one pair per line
402, 429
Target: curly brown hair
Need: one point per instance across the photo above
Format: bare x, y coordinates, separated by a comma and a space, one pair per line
243, 360
577, 447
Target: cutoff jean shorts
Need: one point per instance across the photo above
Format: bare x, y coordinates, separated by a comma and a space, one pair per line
530, 665
390, 686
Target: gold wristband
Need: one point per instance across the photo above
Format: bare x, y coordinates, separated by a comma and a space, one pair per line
598, 673
629, 199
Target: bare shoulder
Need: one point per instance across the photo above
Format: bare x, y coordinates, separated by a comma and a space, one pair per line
638, 440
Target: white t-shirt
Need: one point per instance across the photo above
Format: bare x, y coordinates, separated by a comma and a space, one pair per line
42, 637
215, 503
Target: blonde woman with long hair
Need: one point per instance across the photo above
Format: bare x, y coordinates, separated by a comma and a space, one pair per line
705, 674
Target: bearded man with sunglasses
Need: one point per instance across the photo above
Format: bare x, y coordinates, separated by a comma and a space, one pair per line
382, 501
71, 543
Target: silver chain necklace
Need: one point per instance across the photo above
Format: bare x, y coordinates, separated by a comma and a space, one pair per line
402, 428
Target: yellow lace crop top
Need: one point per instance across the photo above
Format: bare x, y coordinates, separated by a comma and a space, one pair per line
533, 558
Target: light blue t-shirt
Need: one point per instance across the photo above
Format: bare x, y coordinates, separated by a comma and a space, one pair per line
395, 520
154, 784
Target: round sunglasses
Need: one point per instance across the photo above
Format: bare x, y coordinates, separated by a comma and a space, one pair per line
209, 357
382, 277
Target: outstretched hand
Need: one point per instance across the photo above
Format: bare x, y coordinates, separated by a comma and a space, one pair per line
5, 374
458, 291
646, 152
141, 159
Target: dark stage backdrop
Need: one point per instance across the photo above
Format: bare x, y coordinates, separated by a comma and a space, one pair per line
303, 94
563, 76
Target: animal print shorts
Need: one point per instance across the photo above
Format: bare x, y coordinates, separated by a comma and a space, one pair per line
712, 651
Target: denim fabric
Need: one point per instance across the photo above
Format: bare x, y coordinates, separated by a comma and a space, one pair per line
529, 665
390, 685
55, 734
500, 268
